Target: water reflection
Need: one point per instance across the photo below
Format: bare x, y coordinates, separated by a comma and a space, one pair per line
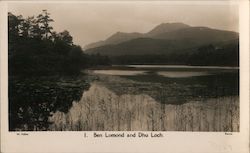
181, 74
177, 90
119, 72
100, 109
33, 100
182, 66
135, 99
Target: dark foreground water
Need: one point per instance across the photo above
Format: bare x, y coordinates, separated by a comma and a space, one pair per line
128, 98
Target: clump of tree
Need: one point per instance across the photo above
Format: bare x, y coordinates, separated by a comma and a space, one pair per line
34, 48
222, 55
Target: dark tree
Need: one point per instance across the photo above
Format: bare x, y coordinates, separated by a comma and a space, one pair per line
43, 20
34, 49
14, 26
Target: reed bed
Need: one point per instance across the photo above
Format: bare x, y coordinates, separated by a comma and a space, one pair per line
101, 109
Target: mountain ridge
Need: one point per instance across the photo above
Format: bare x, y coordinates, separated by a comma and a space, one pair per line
120, 37
162, 42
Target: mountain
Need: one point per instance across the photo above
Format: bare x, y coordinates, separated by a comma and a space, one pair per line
115, 39
167, 44
198, 34
120, 37
220, 54
166, 27
182, 40
137, 46
95, 44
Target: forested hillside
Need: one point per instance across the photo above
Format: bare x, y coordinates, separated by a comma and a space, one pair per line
172, 43
35, 49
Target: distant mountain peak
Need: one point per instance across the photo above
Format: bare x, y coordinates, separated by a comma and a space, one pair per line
125, 33
119, 37
118, 33
173, 23
167, 27
170, 31
121, 34
115, 35
116, 38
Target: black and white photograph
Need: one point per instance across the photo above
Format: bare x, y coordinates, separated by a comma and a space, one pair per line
124, 76
123, 67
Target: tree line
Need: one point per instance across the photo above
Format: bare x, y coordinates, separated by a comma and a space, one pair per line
35, 49
206, 55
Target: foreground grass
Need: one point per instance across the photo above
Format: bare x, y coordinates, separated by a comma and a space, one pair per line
102, 109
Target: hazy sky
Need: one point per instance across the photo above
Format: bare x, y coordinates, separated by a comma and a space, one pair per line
93, 21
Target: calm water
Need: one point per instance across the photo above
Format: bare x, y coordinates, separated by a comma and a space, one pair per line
181, 74
166, 98
119, 72
182, 66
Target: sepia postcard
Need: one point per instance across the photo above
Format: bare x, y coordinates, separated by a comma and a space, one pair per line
125, 76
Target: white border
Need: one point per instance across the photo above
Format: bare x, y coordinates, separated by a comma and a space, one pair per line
199, 142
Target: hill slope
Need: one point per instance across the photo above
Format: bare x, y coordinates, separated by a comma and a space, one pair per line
122, 37
115, 39
183, 40
219, 54
166, 27
167, 44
